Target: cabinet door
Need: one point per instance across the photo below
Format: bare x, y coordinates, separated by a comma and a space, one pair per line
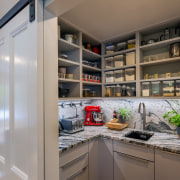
167, 166
127, 167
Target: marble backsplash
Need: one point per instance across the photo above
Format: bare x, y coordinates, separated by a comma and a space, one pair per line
155, 108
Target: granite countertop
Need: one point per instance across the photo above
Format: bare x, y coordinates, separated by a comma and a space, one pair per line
162, 141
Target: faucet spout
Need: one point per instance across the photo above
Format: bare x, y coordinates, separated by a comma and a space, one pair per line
144, 114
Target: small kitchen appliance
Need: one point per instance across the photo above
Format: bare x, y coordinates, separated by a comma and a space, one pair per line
72, 125
94, 117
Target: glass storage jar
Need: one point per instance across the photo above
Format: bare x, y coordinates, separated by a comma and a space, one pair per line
130, 74
130, 58
110, 91
119, 61
119, 75
177, 87
124, 92
86, 92
121, 46
109, 62
156, 88
145, 89
109, 76
118, 91
168, 88
131, 43
129, 91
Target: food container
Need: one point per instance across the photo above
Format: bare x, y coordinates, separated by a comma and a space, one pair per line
98, 79
86, 92
124, 92
110, 91
146, 76
168, 75
109, 62
109, 76
168, 88
130, 58
129, 91
94, 78
61, 75
69, 76
110, 49
119, 75
62, 70
118, 91
145, 89
93, 94
177, 87
69, 38
174, 50
156, 88
86, 77
131, 43
120, 46
119, 61
133, 91
130, 74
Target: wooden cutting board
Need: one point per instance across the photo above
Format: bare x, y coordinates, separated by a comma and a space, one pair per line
116, 126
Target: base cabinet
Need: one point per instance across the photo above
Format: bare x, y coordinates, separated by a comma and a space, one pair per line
128, 167
167, 166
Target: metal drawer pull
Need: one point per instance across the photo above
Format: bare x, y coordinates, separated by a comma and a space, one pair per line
76, 174
74, 160
133, 157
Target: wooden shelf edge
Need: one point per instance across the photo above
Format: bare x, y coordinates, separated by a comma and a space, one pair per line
123, 82
91, 83
68, 61
118, 68
68, 43
91, 68
68, 80
91, 52
160, 79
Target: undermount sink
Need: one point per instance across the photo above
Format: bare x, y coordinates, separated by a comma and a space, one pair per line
141, 135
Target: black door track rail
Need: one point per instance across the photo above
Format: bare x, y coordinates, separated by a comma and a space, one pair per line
21, 4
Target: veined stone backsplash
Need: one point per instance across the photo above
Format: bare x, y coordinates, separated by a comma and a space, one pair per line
155, 108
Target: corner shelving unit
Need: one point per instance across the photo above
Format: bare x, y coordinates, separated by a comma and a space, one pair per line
81, 60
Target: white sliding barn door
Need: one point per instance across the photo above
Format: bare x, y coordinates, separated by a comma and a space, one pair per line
21, 135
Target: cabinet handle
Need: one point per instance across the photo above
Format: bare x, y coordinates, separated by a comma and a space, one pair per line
74, 160
76, 174
133, 157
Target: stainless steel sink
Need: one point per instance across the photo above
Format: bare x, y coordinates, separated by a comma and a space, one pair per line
141, 135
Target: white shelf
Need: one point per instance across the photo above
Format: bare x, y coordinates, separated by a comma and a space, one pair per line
91, 83
123, 67
119, 52
66, 46
67, 63
123, 82
90, 69
160, 44
161, 61
68, 80
160, 79
89, 55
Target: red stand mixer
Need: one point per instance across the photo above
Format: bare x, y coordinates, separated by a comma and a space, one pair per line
94, 117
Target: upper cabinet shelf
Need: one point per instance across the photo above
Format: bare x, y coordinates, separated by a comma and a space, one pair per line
160, 44
66, 46
67, 63
119, 52
89, 55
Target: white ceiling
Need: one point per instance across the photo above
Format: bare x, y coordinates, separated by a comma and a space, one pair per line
105, 19
6, 5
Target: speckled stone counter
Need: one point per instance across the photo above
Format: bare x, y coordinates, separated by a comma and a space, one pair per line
162, 141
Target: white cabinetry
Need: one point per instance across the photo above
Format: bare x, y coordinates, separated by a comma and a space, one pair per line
166, 165
133, 162
74, 164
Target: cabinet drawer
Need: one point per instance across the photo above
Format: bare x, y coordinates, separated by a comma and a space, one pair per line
128, 167
73, 154
134, 150
74, 168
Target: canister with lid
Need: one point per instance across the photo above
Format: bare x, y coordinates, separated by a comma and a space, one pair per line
156, 88
177, 87
129, 91
110, 91
130, 74
119, 75
118, 90
109, 76
120, 46
168, 88
145, 89
130, 58
109, 62
131, 43
119, 61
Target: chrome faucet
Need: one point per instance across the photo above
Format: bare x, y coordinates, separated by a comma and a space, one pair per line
144, 114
